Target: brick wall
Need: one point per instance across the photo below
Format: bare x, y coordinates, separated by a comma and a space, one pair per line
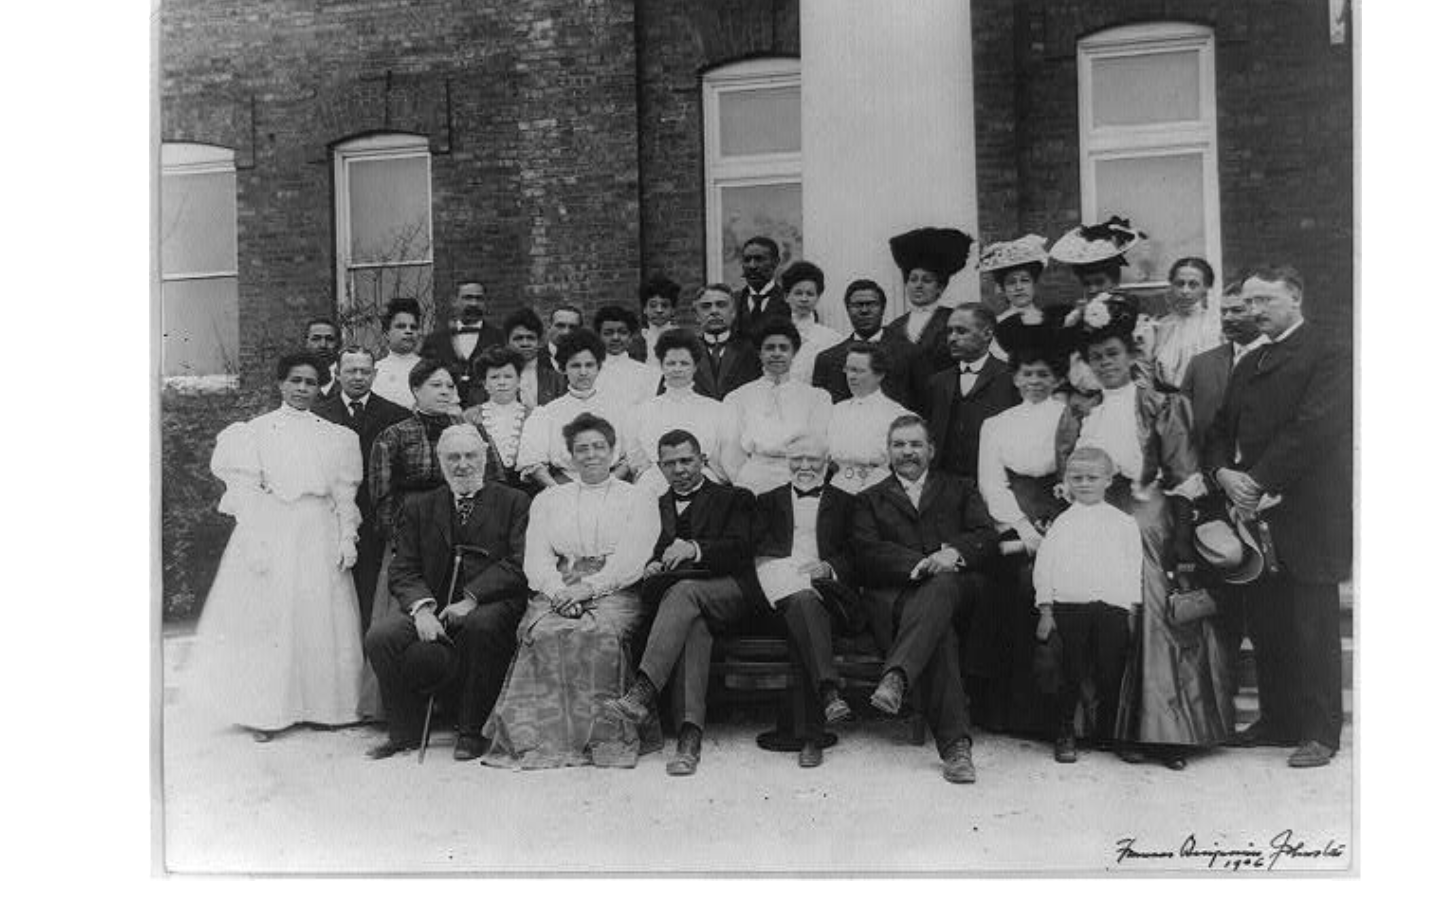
678, 40
528, 105
1285, 111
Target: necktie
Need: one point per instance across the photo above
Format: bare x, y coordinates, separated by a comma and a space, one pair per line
464, 506
357, 410
813, 493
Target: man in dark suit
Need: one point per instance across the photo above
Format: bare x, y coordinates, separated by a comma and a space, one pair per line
1204, 385
322, 338
1209, 373
458, 344
865, 304
803, 566
928, 258
730, 358
761, 296
357, 407
919, 536
974, 388
454, 629
703, 572
1280, 449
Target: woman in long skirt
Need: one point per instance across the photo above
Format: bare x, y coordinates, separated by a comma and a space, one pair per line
279, 640
585, 552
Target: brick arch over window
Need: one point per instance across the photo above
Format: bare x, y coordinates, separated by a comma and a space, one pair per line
678, 42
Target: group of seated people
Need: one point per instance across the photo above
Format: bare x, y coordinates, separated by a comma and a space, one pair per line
549, 535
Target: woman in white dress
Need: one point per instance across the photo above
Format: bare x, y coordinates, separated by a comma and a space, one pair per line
1191, 326
279, 640
859, 427
402, 336
544, 458
679, 407
803, 283
769, 412
626, 382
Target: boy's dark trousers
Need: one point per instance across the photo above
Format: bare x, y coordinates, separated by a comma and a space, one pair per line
1095, 638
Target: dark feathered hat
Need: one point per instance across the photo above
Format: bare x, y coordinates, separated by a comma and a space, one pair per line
939, 250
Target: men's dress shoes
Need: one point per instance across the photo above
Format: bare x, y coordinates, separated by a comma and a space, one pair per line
1065, 749
889, 693
634, 706
469, 746
956, 763
1311, 754
390, 748
811, 755
1261, 734
837, 710
687, 753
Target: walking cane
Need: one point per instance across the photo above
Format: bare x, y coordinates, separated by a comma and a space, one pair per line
460, 551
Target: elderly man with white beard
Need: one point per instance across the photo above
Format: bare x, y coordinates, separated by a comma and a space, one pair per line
458, 580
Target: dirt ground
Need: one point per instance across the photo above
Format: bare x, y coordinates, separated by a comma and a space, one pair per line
311, 802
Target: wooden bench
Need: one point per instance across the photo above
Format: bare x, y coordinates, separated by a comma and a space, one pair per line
755, 667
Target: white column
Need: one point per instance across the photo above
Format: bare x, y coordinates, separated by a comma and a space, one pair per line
888, 138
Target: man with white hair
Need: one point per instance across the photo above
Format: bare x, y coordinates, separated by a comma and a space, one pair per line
802, 562
459, 583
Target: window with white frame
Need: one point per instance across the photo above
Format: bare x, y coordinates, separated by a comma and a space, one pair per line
199, 272
382, 230
752, 161
1147, 141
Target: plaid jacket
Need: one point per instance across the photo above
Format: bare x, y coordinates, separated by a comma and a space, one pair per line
403, 461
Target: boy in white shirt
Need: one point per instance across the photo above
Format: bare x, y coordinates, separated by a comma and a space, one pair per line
1087, 588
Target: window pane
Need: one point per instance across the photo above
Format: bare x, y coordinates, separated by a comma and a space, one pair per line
200, 326
765, 120
1143, 90
772, 210
1163, 196
390, 209
371, 289
197, 223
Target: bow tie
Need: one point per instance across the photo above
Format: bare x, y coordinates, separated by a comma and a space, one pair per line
468, 329
972, 368
812, 494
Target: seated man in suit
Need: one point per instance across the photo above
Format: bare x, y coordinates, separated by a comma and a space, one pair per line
918, 535
963, 396
731, 359
865, 305
801, 561
458, 343
459, 582
357, 407
703, 570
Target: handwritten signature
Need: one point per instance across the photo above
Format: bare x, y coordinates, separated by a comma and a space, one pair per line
1284, 846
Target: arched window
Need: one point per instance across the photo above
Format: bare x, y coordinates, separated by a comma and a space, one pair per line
1147, 141
752, 161
382, 230
199, 272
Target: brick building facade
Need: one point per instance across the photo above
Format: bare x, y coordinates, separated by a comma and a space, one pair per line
566, 152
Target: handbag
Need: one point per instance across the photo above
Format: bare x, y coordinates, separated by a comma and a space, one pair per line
1184, 607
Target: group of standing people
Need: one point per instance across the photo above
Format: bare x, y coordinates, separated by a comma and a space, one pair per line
1059, 519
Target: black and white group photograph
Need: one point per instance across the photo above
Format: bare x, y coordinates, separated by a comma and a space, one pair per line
817, 439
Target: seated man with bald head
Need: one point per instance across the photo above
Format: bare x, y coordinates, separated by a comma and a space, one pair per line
459, 583
802, 563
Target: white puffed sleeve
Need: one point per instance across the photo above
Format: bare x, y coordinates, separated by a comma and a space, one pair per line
236, 461
542, 563
347, 468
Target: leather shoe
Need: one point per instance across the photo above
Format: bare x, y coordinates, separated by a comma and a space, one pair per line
836, 709
1310, 755
469, 746
1065, 749
956, 763
635, 705
889, 693
1261, 734
811, 755
1129, 754
390, 748
687, 753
